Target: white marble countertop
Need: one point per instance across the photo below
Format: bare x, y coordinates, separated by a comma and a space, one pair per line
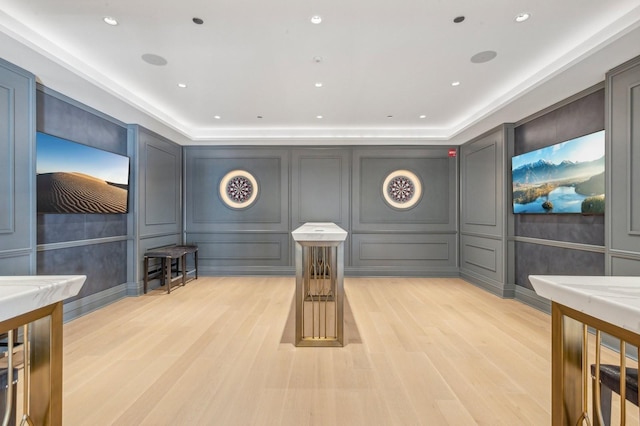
615, 300
22, 294
319, 231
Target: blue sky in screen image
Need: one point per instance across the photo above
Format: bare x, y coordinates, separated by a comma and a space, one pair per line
58, 155
586, 148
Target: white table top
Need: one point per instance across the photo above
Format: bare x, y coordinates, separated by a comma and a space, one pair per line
22, 294
615, 300
319, 231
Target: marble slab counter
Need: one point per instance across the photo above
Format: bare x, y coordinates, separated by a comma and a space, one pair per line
615, 300
319, 231
23, 294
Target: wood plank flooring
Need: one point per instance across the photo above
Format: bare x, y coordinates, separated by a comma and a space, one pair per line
220, 352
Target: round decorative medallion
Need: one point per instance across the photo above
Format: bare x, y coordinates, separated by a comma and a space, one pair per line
238, 189
402, 189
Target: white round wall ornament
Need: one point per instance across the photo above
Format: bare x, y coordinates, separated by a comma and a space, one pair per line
238, 189
402, 189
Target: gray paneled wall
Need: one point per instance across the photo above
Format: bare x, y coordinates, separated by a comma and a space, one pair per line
623, 146
341, 185
483, 212
17, 206
238, 241
158, 204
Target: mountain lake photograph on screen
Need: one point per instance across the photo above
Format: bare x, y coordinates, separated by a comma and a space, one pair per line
563, 178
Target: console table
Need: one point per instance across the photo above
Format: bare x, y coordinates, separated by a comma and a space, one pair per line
35, 302
606, 304
319, 284
167, 255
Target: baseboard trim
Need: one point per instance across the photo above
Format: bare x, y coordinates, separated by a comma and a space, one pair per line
531, 298
79, 307
506, 291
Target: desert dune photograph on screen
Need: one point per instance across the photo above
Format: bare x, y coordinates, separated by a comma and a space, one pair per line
76, 178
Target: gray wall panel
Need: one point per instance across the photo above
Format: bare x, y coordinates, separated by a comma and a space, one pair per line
483, 203
247, 249
205, 168
7, 169
625, 266
537, 259
17, 173
160, 175
482, 255
400, 251
623, 149
436, 211
103, 264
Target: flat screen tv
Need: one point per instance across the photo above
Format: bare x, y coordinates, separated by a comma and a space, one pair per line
567, 177
76, 178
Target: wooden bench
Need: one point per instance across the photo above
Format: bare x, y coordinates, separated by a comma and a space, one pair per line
167, 255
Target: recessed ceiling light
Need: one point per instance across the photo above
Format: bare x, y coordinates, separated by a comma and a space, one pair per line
455, 83
389, 116
423, 116
522, 17
318, 117
317, 59
217, 117
316, 19
182, 85
318, 84
458, 19
259, 116
110, 20
198, 21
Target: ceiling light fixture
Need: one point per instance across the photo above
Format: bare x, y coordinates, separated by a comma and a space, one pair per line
423, 116
182, 85
318, 84
319, 117
389, 116
316, 19
217, 117
458, 19
455, 83
110, 20
522, 17
198, 21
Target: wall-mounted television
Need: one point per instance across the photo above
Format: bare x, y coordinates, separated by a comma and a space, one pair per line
77, 178
567, 177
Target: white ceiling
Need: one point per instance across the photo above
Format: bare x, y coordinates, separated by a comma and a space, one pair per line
384, 63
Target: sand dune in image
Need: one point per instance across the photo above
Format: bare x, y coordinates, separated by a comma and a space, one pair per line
62, 192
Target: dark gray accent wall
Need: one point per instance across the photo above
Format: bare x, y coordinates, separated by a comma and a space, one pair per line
158, 202
623, 164
94, 245
484, 209
559, 244
17, 172
315, 184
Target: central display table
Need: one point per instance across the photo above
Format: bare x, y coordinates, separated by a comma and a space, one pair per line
319, 284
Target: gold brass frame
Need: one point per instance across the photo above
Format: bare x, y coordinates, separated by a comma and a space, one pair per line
569, 365
43, 367
319, 280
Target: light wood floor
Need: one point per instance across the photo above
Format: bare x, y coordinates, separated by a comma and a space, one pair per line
220, 352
